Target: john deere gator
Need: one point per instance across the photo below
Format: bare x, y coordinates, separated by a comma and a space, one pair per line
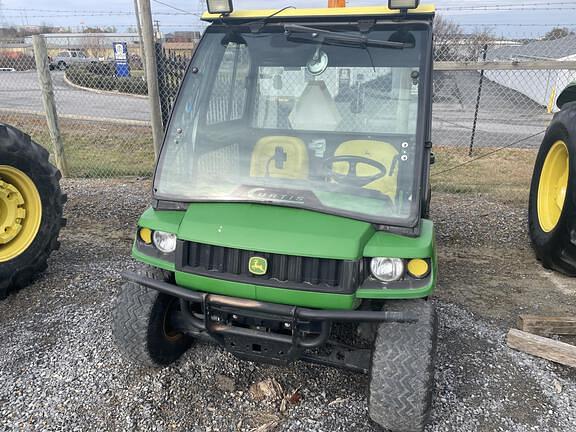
290, 202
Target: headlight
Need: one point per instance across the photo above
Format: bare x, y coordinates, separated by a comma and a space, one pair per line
164, 242
387, 269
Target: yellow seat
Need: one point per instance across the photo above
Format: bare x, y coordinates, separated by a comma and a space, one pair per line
379, 151
280, 156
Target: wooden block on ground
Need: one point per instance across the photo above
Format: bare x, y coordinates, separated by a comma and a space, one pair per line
539, 346
547, 325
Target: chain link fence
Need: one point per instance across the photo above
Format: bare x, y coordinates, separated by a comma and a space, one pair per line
489, 94
493, 99
103, 113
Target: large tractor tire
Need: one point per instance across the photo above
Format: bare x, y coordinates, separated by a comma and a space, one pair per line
552, 205
31, 204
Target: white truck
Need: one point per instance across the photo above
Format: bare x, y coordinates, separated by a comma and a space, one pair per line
66, 58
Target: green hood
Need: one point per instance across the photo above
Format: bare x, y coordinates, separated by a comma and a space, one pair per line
287, 231
275, 229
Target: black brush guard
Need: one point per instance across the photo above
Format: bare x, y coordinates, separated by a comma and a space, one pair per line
224, 320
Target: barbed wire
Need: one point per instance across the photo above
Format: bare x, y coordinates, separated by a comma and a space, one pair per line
99, 14
57, 13
568, 25
507, 6
61, 10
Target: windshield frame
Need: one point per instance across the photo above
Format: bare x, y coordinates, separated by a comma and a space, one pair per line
422, 134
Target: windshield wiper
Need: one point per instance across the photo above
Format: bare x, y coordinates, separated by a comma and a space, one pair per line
322, 35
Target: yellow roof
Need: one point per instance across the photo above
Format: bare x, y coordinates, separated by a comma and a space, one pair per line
319, 12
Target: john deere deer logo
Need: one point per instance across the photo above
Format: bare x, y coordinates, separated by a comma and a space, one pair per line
258, 265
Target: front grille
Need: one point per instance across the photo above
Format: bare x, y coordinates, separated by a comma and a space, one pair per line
286, 271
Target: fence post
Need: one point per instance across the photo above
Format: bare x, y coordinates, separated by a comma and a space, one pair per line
151, 74
161, 60
479, 95
43, 69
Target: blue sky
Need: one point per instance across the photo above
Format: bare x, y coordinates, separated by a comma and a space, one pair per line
95, 13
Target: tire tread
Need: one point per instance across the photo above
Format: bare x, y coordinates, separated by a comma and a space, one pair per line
131, 321
402, 372
21, 271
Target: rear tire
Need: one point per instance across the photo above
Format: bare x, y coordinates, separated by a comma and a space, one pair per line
18, 151
139, 323
402, 370
555, 246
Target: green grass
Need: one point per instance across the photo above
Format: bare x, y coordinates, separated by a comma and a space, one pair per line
504, 175
137, 72
94, 149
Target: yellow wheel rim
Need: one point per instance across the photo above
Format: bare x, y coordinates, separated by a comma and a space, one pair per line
553, 185
20, 212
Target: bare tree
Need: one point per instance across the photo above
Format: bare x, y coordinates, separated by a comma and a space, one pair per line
476, 43
557, 33
107, 29
447, 38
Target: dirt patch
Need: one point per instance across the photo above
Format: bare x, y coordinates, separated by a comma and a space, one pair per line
487, 265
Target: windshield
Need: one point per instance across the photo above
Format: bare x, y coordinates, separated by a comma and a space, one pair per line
290, 116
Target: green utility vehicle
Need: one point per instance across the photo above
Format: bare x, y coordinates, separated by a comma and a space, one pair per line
290, 203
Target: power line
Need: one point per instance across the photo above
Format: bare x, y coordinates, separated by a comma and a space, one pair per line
63, 11
172, 7
91, 11
54, 13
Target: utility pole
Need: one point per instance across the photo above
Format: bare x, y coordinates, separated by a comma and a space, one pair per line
151, 74
157, 25
139, 27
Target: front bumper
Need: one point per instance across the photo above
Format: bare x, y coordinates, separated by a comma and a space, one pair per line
279, 310
261, 331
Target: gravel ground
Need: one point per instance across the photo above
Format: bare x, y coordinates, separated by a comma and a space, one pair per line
59, 368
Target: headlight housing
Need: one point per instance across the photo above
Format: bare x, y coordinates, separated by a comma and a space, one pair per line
387, 269
164, 242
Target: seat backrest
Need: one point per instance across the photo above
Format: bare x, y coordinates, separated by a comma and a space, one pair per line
280, 156
379, 151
